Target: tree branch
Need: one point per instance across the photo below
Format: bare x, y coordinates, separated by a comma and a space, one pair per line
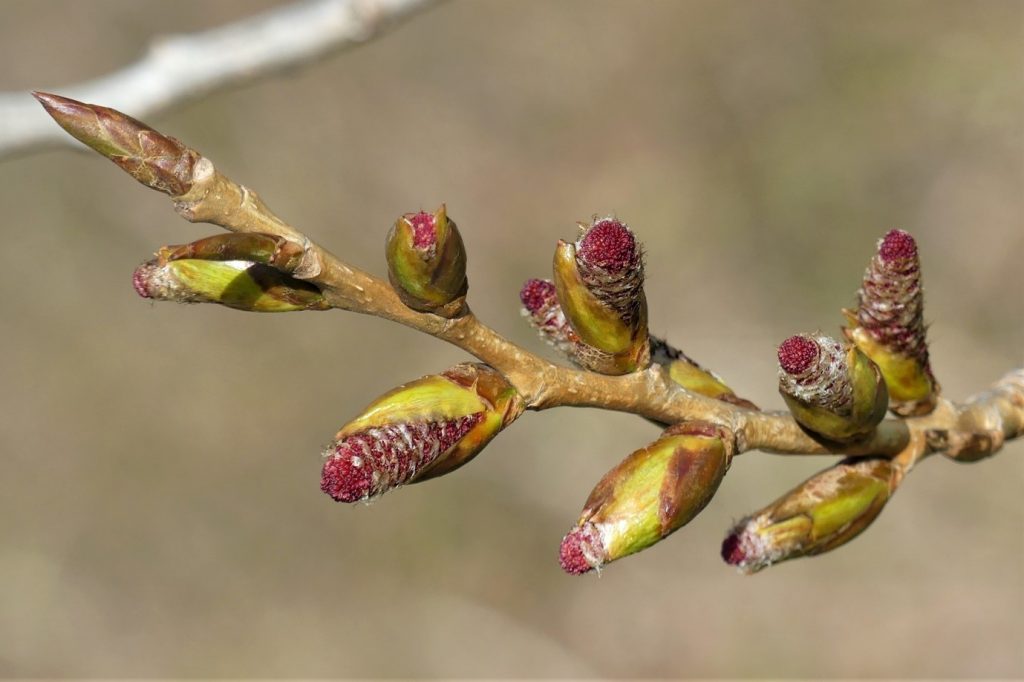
184, 67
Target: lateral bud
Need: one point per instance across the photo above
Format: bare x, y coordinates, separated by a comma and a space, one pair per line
239, 284
156, 160
685, 372
888, 324
824, 512
599, 280
833, 391
650, 494
420, 430
427, 262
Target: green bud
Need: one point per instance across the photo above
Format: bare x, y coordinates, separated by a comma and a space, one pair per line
427, 262
687, 373
825, 512
888, 324
599, 282
268, 249
650, 494
420, 430
833, 391
237, 284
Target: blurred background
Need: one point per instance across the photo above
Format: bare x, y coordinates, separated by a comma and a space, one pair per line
159, 499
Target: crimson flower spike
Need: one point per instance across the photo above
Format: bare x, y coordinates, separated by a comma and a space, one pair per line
888, 324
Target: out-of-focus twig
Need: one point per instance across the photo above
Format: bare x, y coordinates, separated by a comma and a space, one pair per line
183, 67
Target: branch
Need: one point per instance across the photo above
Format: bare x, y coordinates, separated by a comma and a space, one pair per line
435, 424
185, 67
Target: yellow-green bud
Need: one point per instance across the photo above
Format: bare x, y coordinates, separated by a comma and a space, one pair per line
888, 325
825, 512
653, 492
237, 284
599, 280
835, 392
687, 373
420, 430
427, 262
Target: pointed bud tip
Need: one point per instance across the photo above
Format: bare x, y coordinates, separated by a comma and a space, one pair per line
345, 478
797, 354
536, 294
897, 245
577, 553
423, 233
608, 244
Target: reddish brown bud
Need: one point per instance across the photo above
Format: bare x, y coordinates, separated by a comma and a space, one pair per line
797, 354
581, 550
154, 159
608, 244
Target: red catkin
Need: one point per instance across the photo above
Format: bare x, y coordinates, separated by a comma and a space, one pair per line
609, 245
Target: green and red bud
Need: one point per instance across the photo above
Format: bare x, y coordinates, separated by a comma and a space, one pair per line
650, 494
238, 284
542, 310
427, 262
833, 391
417, 431
257, 247
888, 324
599, 280
825, 512
154, 159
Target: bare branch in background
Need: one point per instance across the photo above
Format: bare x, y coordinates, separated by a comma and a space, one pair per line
184, 67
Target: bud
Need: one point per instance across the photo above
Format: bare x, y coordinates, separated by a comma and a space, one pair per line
542, 311
888, 325
824, 512
687, 373
647, 496
256, 247
243, 285
156, 160
420, 430
835, 392
427, 262
599, 280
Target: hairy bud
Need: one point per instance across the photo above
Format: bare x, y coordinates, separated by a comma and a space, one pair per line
653, 492
833, 391
422, 429
427, 262
542, 311
888, 325
599, 280
826, 511
156, 160
238, 284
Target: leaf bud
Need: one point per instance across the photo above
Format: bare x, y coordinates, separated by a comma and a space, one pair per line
420, 430
835, 392
888, 324
685, 372
427, 262
824, 512
156, 160
599, 280
648, 495
238, 284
